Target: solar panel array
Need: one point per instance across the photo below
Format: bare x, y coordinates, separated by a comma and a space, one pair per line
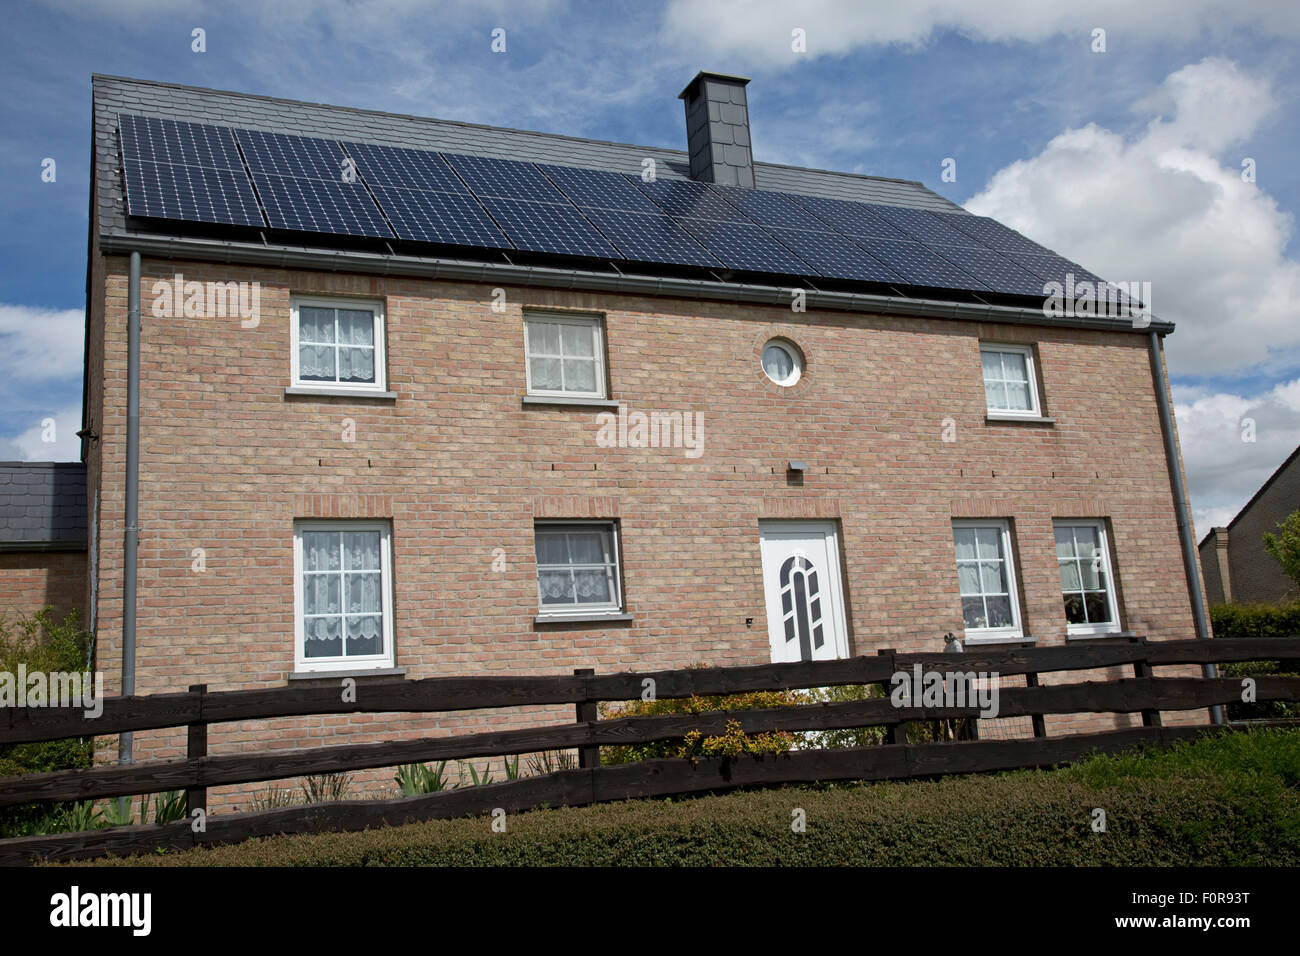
215, 174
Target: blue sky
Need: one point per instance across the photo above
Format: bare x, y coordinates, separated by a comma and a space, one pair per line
1126, 160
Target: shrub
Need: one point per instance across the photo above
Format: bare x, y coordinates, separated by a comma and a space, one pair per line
695, 744
415, 779
1255, 620
1285, 546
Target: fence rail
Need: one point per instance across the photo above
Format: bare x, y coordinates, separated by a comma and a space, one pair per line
197, 709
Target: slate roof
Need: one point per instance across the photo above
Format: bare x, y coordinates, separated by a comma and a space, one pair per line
42, 505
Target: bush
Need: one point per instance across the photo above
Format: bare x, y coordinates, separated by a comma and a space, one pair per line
732, 742
1255, 620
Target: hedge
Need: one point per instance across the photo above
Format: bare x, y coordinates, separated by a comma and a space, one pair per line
1255, 620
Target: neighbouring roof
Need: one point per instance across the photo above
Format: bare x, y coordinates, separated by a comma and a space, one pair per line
42, 505
1292, 459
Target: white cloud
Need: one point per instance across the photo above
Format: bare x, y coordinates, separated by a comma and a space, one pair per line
1163, 207
1223, 470
760, 30
47, 440
39, 344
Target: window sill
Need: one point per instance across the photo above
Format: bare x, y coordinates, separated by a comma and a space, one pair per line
577, 402
334, 675
581, 617
1001, 419
1008, 639
307, 390
1108, 636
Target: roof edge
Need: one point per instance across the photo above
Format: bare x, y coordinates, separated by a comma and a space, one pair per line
1262, 488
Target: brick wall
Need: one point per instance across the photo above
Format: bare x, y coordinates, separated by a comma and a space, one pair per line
462, 469
29, 580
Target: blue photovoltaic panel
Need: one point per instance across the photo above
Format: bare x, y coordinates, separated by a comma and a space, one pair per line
649, 237
850, 218
922, 226
993, 268
315, 205
685, 199
992, 233
599, 188
918, 265
1053, 268
503, 178
746, 246
154, 139
835, 256
192, 193
548, 227
303, 157
771, 209
407, 168
428, 216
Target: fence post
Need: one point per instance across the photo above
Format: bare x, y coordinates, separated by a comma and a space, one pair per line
1040, 726
587, 712
1150, 718
196, 798
894, 733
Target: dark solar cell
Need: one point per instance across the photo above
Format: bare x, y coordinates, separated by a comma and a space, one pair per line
548, 227
280, 154
408, 168
315, 205
922, 226
193, 193
429, 216
649, 237
918, 265
835, 256
503, 178
1053, 268
599, 188
995, 269
746, 246
685, 199
850, 218
992, 233
157, 140
771, 209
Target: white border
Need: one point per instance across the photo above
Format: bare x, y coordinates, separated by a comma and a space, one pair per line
993, 635
380, 384
596, 324
1113, 626
1036, 409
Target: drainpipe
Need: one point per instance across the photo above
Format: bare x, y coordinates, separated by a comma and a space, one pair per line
1191, 564
132, 492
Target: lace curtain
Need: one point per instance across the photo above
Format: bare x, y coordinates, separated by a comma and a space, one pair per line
343, 567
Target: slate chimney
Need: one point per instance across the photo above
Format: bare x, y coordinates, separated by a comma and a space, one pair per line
717, 129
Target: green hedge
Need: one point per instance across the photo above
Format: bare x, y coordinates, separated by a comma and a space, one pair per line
1233, 800
1255, 620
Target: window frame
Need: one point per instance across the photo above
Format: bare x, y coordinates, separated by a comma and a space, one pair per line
597, 325
1114, 625
376, 307
796, 361
562, 611
302, 663
1031, 370
993, 635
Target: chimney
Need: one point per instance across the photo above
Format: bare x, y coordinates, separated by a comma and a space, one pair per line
717, 129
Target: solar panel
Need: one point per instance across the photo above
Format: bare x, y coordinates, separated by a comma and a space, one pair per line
771, 209
922, 226
992, 233
686, 199
918, 265
993, 268
316, 205
157, 140
599, 188
503, 178
428, 216
746, 246
649, 237
850, 218
1053, 268
835, 256
548, 227
281, 154
407, 168
192, 193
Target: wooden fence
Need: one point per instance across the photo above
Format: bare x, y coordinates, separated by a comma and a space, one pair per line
197, 709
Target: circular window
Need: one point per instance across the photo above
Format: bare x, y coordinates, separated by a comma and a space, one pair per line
782, 362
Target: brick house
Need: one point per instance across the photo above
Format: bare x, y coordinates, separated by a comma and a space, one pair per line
42, 538
1233, 560
440, 443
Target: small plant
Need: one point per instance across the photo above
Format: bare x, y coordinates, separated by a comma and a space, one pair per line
168, 807
1285, 546
119, 812
414, 779
80, 816
551, 761
512, 767
272, 798
478, 780
326, 787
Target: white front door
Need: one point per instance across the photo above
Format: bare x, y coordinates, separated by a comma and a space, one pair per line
801, 580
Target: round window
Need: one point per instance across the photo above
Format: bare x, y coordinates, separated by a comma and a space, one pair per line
782, 362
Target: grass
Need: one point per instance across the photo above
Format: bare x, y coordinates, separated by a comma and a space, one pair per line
1232, 800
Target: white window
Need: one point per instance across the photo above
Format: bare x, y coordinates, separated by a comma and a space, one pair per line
338, 345
577, 568
986, 576
343, 603
1087, 584
564, 356
1010, 384
782, 362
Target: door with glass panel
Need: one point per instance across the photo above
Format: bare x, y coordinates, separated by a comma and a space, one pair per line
801, 583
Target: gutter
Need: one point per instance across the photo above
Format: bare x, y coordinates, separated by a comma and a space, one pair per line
130, 545
1191, 559
290, 257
